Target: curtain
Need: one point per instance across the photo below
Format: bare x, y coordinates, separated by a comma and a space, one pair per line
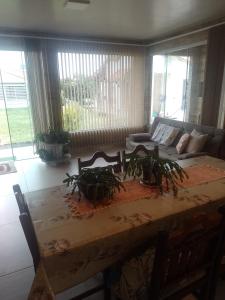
42, 75
93, 90
102, 92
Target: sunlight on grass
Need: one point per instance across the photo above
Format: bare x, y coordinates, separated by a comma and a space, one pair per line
19, 123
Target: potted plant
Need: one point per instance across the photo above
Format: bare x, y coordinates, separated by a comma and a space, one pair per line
52, 145
157, 172
96, 184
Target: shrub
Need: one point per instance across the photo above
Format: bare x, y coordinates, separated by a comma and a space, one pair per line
72, 113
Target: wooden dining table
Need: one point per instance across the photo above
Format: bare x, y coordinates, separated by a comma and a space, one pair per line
77, 240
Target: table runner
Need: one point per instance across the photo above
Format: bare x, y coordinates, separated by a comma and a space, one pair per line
202, 173
133, 191
82, 208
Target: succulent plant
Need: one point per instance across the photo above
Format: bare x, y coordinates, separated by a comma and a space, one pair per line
53, 137
95, 183
157, 172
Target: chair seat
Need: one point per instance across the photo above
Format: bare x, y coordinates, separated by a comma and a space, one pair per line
180, 285
189, 297
133, 275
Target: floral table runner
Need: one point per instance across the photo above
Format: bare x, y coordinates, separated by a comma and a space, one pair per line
82, 208
202, 173
133, 191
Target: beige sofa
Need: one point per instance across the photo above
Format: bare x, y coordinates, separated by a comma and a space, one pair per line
214, 146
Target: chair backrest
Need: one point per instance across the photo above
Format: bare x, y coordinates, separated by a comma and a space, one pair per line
196, 250
139, 149
100, 154
20, 199
30, 236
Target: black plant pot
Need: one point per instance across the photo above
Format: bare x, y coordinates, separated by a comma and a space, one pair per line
149, 175
92, 194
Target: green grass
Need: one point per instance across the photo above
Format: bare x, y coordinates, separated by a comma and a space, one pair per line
19, 123
76, 117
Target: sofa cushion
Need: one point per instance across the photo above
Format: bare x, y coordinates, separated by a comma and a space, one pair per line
165, 134
158, 133
169, 135
191, 155
183, 142
196, 142
168, 152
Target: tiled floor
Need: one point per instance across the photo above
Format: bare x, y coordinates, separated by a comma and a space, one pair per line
16, 271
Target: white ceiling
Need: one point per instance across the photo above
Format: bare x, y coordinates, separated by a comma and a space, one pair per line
119, 19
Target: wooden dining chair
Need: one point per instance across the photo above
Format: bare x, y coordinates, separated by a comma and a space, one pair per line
116, 159
140, 149
189, 261
174, 264
20, 199
30, 236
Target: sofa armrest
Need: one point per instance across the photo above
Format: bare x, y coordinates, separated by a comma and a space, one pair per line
140, 137
222, 151
191, 155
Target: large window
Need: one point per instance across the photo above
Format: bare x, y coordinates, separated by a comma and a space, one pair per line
16, 126
177, 84
101, 90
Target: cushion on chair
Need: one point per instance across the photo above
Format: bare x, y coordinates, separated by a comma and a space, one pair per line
134, 274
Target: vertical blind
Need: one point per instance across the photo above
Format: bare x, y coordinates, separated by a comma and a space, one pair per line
101, 90
93, 90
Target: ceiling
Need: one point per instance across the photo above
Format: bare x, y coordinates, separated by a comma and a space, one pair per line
111, 19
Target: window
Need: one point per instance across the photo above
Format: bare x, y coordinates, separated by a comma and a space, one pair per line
16, 125
14, 91
177, 84
101, 90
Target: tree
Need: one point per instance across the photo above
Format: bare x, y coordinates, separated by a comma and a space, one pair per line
80, 89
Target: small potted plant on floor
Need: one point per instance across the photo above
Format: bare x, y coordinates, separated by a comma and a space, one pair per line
52, 146
96, 184
155, 171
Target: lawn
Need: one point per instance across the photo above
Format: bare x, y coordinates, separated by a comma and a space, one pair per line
19, 123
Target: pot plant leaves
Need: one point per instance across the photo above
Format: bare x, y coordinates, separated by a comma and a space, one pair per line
157, 172
95, 183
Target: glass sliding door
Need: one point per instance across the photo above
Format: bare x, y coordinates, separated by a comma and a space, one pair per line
159, 74
177, 84
16, 129
5, 142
